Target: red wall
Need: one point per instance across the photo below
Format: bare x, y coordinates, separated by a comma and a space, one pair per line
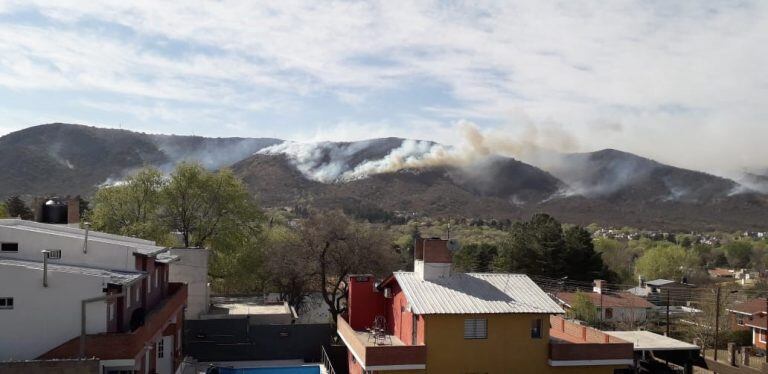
364, 302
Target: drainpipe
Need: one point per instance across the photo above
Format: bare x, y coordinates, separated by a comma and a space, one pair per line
83, 304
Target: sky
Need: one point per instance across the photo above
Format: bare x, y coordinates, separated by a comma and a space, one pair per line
683, 82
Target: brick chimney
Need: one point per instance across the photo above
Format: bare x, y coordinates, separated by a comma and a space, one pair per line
73, 210
433, 258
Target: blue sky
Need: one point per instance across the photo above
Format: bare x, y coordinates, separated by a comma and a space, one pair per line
682, 82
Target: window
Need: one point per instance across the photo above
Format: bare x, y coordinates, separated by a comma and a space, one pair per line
740, 320
6, 303
536, 328
761, 335
475, 328
149, 284
608, 313
128, 296
160, 348
157, 276
9, 247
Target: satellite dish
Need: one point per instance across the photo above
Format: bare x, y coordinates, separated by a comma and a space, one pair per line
453, 245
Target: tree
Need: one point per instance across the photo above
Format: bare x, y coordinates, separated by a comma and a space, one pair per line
15, 207
663, 261
738, 253
3, 211
198, 203
582, 261
340, 247
132, 208
475, 258
583, 309
288, 267
541, 247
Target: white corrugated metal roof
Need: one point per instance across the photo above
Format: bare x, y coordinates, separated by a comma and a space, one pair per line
111, 276
475, 293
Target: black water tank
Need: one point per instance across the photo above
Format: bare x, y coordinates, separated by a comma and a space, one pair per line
55, 211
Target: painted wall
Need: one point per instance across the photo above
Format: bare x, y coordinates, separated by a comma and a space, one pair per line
192, 269
509, 347
624, 314
45, 317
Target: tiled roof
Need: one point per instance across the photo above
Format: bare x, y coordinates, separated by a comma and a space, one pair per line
111, 276
749, 307
475, 294
612, 300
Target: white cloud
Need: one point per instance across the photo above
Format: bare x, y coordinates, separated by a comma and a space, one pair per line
685, 82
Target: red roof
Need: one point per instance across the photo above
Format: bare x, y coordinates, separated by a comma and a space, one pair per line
756, 309
720, 273
609, 300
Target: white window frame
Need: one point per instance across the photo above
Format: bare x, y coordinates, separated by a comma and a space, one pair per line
5, 301
161, 348
475, 328
761, 335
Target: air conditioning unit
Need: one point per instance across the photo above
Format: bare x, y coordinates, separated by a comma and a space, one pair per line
388, 293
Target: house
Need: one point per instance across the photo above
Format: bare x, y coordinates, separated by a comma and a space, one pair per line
71, 293
612, 307
751, 315
720, 273
433, 320
659, 291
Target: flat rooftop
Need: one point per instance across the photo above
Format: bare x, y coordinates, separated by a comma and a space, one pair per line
648, 341
248, 306
119, 277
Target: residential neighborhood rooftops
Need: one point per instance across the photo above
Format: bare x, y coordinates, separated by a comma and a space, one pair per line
113, 276
475, 293
749, 307
608, 300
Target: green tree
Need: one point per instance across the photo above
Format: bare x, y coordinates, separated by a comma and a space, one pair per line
663, 261
583, 309
201, 205
582, 262
3, 211
15, 207
738, 253
476, 258
132, 208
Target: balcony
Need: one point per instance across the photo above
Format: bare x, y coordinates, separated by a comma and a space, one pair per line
573, 345
376, 356
113, 346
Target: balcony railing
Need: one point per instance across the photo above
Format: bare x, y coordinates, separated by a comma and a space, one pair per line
111, 346
372, 355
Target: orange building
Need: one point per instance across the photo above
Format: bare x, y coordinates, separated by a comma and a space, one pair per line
432, 320
752, 315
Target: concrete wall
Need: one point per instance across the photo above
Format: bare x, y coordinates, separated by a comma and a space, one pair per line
192, 269
45, 317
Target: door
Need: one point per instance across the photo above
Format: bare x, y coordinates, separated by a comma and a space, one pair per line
165, 355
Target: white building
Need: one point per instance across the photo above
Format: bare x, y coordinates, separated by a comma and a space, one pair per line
133, 315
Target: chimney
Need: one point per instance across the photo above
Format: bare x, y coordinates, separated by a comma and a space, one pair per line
641, 281
73, 210
433, 258
597, 286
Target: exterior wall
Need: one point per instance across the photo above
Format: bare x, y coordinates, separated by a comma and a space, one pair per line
47, 367
192, 269
448, 351
103, 252
44, 317
624, 314
364, 302
758, 338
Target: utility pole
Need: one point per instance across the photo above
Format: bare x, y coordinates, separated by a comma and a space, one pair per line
668, 311
717, 317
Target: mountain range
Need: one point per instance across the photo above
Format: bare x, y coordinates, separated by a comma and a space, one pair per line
609, 187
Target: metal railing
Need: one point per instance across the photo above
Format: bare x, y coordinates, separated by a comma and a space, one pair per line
326, 361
